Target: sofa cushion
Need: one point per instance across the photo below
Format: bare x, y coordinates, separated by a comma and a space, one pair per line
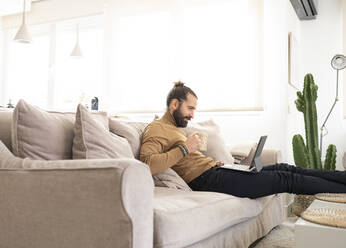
92, 140
132, 131
34, 130
216, 147
169, 178
177, 213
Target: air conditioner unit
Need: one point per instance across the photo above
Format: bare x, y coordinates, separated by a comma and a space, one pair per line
305, 9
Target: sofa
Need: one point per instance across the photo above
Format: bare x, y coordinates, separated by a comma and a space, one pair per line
114, 202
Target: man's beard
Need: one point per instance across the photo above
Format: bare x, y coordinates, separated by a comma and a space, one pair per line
180, 120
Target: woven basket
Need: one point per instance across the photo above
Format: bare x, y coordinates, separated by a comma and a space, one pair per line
332, 197
301, 203
329, 217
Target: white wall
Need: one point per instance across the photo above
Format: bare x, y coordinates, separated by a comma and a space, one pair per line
295, 121
319, 41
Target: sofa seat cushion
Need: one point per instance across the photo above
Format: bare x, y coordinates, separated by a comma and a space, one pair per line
182, 218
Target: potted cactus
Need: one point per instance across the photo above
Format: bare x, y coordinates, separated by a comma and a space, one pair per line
308, 155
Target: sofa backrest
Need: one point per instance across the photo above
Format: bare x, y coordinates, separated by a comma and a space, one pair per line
5, 127
134, 137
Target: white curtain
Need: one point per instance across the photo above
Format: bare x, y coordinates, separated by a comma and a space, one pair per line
135, 50
214, 46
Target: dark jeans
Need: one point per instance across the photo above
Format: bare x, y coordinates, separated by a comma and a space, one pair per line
270, 180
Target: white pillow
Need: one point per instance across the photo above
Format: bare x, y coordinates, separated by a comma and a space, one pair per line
216, 147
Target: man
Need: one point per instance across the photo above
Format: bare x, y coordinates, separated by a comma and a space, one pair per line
165, 145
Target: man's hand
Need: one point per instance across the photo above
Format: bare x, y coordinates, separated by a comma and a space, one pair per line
219, 163
193, 143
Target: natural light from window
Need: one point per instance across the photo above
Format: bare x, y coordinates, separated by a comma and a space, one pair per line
78, 79
27, 70
131, 61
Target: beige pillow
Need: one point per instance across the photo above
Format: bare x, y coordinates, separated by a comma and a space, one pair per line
38, 134
170, 179
132, 131
92, 140
216, 147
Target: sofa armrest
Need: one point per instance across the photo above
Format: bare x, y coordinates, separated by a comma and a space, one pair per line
244, 152
77, 203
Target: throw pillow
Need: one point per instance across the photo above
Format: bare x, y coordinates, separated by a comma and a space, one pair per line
34, 129
132, 131
170, 179
92, 140
216, 147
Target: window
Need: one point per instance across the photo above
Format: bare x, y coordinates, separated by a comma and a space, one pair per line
78, 79
218, 56
142, 63
27, 68
212, 46
44, 73
131, 60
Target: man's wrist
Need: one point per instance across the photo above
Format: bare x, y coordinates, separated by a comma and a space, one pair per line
184, 149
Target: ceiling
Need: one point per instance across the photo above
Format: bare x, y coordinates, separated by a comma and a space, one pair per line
9, 7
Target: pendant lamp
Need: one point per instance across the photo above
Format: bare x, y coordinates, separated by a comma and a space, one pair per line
77, 52
23, 35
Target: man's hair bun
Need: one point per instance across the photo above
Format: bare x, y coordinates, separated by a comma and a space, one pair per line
178, 84
179, 91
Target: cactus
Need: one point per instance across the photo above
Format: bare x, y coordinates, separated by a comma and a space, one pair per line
308, 156
329, 163
300, 158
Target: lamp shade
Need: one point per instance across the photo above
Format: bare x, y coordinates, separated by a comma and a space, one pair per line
338, 62
23, 34
76, 52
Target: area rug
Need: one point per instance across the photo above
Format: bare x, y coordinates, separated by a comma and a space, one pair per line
281, 236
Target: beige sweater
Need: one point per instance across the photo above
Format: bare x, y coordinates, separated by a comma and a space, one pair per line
160, 150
